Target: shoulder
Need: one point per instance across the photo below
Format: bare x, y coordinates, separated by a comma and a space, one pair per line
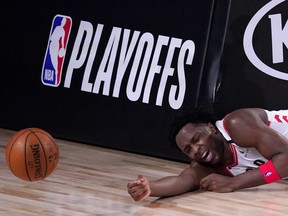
244, 125
241, 117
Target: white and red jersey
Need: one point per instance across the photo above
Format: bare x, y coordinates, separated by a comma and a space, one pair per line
249, 158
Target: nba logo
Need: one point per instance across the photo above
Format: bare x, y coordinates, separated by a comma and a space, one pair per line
56, 49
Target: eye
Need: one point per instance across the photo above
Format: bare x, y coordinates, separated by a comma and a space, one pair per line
187, 149
195, 139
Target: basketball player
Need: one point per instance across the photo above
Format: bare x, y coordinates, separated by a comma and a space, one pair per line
248, 148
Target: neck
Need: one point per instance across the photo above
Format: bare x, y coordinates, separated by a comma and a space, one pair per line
227, 154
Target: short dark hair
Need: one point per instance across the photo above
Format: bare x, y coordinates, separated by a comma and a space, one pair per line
188, 115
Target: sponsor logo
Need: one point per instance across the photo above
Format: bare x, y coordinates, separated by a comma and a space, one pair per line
279, 40
241, 150
37, 161
267, 174
118, 62
56, 50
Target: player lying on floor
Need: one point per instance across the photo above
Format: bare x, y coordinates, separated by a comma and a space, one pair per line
247, 148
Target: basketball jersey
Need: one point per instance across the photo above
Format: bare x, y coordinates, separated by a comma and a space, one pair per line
245, 159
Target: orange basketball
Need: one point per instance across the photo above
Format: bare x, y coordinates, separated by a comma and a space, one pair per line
32, 154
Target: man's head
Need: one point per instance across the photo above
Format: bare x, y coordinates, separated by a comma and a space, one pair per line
188, 115
194, 132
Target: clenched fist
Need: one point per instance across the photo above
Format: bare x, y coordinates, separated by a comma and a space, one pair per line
139, 189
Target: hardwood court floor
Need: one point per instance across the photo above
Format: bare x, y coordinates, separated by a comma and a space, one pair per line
92, 181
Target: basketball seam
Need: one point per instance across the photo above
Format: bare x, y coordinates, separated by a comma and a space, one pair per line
25, 158
12, 146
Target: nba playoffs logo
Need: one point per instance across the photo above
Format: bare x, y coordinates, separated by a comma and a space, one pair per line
279, 40
56, 49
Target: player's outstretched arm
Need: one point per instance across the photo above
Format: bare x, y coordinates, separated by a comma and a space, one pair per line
188, 180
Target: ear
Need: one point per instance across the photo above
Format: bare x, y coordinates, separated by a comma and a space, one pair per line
212, 127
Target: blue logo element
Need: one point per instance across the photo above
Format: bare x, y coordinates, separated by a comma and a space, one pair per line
56, 50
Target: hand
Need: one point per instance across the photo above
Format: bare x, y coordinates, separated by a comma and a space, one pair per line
139, 189
217, 183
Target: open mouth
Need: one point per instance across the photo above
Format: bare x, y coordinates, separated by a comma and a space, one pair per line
206, 156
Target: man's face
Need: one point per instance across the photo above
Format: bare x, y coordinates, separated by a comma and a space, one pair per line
201, 142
